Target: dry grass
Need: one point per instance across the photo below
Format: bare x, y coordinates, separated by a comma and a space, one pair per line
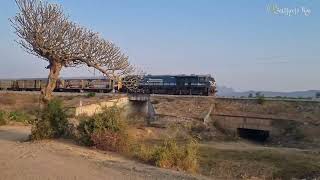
7, 100
266, 164
169, 154
182, 107
18, 102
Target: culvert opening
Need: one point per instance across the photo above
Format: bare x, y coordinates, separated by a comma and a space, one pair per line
253, 134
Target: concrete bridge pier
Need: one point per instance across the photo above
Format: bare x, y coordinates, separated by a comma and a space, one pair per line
141, 104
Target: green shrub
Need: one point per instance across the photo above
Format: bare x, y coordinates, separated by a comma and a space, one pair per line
261, 100
91, 94
85, 129
3, 118
106, 130
19, 116
52, 123
14, 116
294, 130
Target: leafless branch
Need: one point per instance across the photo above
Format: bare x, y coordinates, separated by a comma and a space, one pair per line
45, 31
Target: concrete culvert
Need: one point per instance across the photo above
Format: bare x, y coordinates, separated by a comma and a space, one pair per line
253, 134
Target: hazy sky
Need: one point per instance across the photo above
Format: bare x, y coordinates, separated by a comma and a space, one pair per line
240, 42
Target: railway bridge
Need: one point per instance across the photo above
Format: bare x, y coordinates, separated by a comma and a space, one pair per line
260, 127
253, 127
257, 128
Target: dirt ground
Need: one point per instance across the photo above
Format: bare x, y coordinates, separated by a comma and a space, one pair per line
191, 107
62, 159
20, 100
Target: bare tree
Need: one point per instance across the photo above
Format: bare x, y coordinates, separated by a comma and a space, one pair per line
45, 31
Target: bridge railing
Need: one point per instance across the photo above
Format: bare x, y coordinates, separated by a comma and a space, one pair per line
139, 97
253, 117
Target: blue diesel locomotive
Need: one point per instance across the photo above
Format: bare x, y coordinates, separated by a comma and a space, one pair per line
203, 85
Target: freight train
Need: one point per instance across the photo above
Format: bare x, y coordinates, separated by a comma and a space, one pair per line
149, 84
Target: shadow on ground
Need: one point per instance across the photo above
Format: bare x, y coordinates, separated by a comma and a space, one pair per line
10, 134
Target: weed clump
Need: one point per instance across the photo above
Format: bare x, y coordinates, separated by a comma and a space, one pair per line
52, 122
106, 130
91, 94
171, 155
14, 116
261, 99
19, 116
3, 118
294, 130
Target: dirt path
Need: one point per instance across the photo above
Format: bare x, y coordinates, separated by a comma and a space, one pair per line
62, 159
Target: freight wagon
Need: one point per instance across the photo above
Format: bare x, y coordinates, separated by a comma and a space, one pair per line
101, 85
63, 85
32, 84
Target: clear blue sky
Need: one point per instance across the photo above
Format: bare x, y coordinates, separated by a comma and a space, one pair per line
239, 42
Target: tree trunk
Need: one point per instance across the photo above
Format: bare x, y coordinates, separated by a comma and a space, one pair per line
46, 92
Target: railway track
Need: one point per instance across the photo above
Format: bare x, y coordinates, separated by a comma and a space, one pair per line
164, 95
59, 93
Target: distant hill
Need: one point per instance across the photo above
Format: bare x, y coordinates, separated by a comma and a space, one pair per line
229, 92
